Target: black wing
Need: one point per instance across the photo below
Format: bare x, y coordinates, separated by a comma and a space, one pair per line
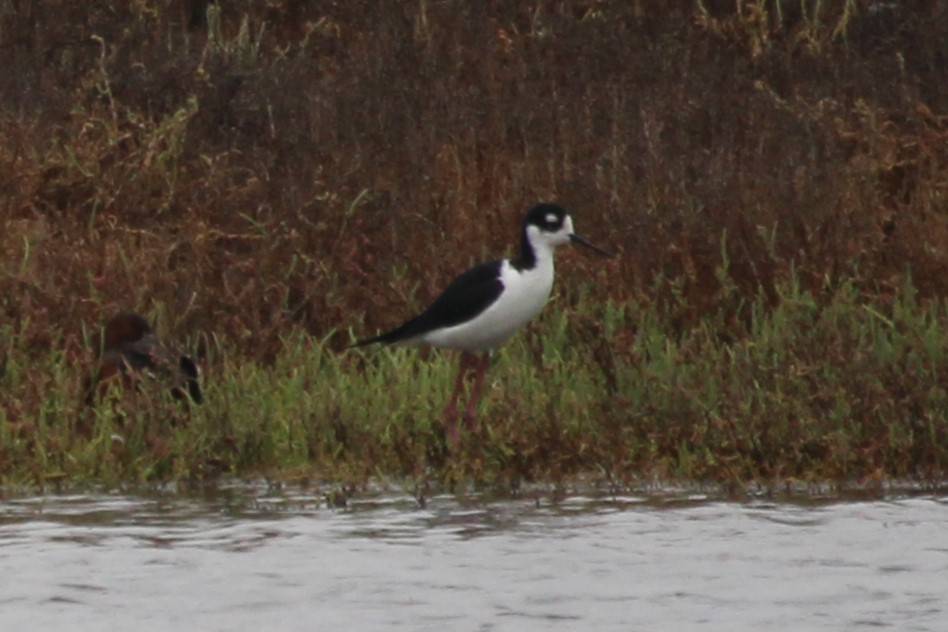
150, 354
466, 297
134, 356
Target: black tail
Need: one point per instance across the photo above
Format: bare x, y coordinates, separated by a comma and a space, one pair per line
191, 374
412, 328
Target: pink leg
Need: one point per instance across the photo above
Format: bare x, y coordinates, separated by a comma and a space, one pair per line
470, 417
451, 412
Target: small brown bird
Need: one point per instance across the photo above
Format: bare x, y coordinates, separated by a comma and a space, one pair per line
130, 352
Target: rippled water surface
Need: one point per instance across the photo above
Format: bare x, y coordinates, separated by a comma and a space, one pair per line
248, 559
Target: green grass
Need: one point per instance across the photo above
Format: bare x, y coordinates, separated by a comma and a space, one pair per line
842, 391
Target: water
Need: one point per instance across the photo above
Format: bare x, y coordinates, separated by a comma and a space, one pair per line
248, 559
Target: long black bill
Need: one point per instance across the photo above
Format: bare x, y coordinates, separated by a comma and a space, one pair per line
576, 239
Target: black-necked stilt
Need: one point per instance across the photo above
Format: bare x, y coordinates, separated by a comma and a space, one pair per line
129, 351
485, 306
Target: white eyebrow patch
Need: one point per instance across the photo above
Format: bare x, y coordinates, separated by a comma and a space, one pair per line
551, 218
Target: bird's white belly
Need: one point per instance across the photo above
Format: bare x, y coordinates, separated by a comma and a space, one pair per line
525, 293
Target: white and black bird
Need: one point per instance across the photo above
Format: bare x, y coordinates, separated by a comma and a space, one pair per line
485, 306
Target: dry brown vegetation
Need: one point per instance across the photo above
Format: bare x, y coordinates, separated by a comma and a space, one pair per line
255, 169
269, 177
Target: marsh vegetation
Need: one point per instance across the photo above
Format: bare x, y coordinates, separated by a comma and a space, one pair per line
266, 181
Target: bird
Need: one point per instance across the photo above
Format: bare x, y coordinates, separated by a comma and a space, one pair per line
129, 351
489, 303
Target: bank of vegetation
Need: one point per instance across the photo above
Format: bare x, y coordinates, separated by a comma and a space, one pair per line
267, 180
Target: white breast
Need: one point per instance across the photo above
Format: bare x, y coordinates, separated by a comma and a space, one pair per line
525, 293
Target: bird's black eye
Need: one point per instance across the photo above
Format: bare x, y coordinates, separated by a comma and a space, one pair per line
552, 222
